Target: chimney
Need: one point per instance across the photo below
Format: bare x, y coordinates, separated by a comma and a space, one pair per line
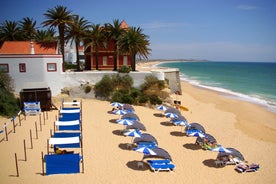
32, 48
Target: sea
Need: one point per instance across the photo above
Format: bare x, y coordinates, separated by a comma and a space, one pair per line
254, 82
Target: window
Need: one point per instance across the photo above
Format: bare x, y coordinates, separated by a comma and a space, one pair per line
125, 61
4, 68
22, 67
51, 67
104, 60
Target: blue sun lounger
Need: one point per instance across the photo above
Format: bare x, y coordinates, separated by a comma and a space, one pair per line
69, 117
147, 144
161, 165
68, 125
62, 163
65, 142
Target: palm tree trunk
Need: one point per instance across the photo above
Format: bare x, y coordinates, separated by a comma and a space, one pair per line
115, 56
133, 62
61, 38
77, 55
97, 58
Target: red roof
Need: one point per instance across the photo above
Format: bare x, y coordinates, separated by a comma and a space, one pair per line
124, 25
24, 47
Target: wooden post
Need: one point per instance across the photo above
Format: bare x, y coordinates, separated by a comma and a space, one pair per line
18, 114
40, 127
25, 152
56, 118
6, 132
16, 165
31, 139
47, 146
42, 158
19, 119
36, 130
43, 118
47, 115
13, 124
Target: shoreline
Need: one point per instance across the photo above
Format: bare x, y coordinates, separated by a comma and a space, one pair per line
227, 93
265, 121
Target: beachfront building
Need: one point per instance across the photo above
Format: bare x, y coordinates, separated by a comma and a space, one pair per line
105, 55
30, 63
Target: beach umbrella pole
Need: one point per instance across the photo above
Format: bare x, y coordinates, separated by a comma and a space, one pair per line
16, 165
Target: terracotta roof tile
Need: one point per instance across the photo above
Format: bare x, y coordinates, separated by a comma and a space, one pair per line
24, 47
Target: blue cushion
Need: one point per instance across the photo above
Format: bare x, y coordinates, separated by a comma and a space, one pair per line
166, 161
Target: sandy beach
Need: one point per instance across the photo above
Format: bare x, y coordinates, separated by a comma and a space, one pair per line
247, 127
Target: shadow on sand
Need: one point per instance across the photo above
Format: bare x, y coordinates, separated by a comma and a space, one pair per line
210, 163
192, 146
126, 146
159, 115
166, 123
178, 134
118, 132
134, 165
113, 121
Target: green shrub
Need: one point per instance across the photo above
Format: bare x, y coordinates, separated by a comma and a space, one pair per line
143, 99
9, 105
87, 88
124, 69
155, 100
104, 88
151, 81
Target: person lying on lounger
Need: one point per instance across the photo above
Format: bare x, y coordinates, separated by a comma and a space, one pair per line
59, 151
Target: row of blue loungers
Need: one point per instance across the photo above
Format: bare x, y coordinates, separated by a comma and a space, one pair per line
67, 134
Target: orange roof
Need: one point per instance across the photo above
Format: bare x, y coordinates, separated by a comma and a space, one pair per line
24, 47
124, 25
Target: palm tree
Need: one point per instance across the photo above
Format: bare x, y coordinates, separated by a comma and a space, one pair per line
27, 28
9, 31
134, 42
47, 35
77, 31
113, 33
95, 39
59, 17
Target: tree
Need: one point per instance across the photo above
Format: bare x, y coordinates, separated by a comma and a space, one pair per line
47, 35
27, 28
59, 17
114, 31
77, 31
134, 42
95, 39
9, 31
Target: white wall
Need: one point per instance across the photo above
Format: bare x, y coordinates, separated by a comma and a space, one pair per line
36, 72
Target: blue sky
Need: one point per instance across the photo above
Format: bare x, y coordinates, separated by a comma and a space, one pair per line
228, 30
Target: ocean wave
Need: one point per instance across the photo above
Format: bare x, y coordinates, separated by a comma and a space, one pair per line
252, 98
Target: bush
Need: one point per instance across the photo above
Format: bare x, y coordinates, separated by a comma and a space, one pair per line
9, 105
87, 89
151, 81
104, 88
124, 69
155, 100
143, 99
